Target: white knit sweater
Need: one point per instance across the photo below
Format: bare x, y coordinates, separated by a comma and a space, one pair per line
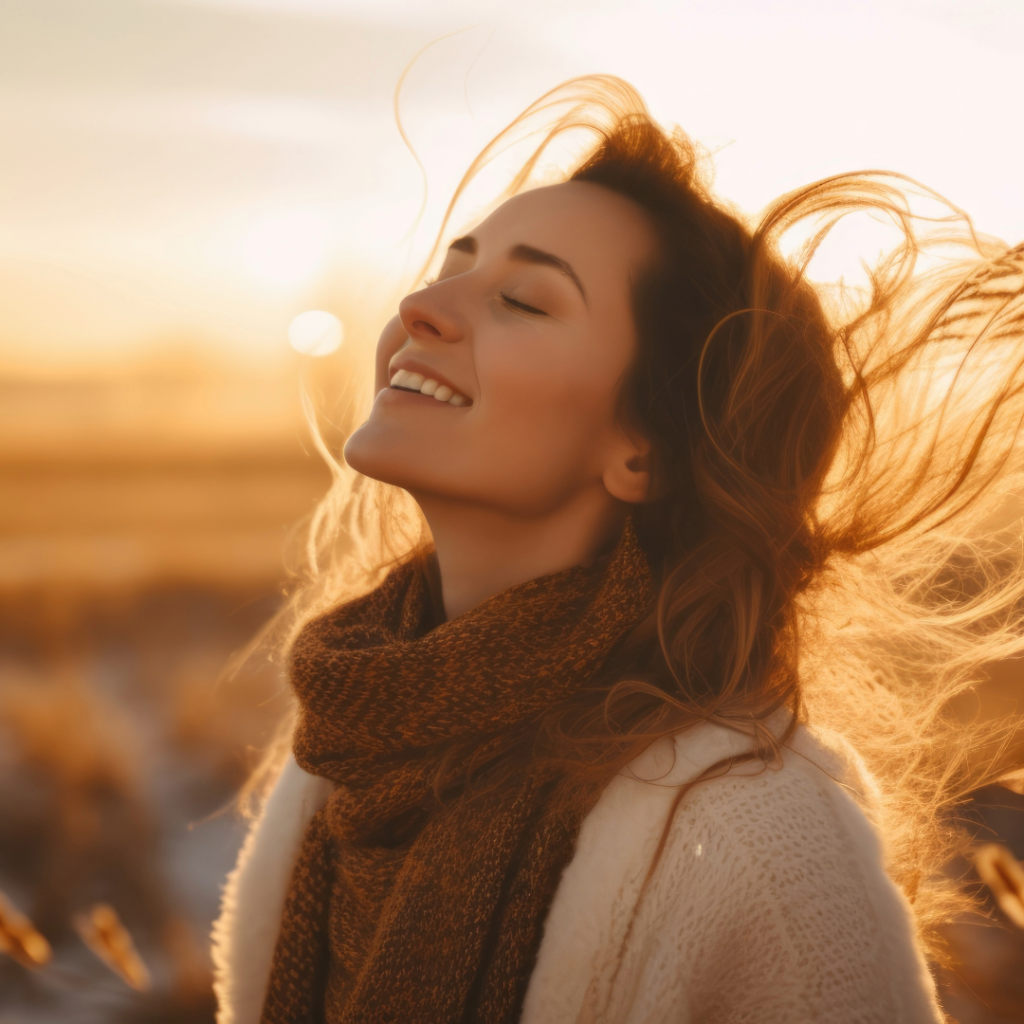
770, 902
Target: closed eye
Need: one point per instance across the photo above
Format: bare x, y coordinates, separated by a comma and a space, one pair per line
516, 304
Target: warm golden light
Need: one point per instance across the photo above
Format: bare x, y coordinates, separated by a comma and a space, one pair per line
315, 333
192, 192
149, 188
287, 250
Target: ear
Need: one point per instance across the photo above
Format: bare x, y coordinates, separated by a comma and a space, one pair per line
627, 475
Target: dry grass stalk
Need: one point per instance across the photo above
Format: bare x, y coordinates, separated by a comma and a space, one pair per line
1013, 781
1004, 875
19, 938
102, 931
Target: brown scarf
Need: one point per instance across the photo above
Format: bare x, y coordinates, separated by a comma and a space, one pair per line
409, 907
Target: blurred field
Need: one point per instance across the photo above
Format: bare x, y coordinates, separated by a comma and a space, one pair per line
143, 518
171, 475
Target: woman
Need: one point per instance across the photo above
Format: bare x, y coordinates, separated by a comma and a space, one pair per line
600, 750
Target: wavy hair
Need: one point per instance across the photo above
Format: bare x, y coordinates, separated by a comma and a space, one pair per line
832, 525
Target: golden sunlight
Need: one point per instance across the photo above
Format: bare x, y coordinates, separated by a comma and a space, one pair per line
315, 333
208, 211
286, 250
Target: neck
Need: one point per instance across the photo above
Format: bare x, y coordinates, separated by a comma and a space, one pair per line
482, 551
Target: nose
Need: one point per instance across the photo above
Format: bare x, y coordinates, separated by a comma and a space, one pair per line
430, 315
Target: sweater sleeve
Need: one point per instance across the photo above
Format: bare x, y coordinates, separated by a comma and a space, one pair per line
770, 904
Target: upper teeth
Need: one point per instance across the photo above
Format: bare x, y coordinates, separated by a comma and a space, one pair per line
427, 386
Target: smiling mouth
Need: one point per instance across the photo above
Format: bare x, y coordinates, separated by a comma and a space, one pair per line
406, 380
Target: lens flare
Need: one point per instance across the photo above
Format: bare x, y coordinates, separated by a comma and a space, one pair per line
315, 333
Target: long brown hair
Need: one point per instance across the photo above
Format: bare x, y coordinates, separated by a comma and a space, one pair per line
825, 524
736, 385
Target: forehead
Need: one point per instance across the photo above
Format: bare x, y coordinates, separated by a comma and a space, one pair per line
586, 224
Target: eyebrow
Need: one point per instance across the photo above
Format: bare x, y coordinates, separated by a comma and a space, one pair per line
527, 254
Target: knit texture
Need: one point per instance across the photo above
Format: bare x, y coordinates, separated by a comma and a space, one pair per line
769, 905
410, 906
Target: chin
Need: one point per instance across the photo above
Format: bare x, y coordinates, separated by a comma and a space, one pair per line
433, 463
367, 452
383, 452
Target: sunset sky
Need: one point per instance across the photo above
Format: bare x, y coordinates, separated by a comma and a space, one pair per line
191, 175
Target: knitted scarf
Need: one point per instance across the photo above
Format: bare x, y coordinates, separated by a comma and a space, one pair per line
406, 904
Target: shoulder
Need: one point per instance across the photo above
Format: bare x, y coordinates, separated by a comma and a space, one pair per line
818, 793
789, 840
818, 801
760, 894
807, 816
773, 888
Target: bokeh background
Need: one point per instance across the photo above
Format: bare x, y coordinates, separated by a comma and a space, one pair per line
178, 180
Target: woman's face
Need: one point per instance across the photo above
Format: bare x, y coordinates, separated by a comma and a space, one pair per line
498, 383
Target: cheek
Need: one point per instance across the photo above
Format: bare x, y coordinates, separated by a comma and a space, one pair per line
550, 402
539, 430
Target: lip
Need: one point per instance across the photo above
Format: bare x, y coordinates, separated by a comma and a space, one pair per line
416, 366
